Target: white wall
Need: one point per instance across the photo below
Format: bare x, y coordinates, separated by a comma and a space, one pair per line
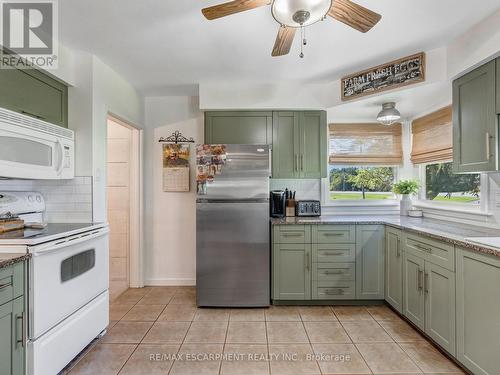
111, 93
170, 218
479, 44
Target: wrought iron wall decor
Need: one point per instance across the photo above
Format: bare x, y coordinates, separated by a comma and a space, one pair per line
176, 137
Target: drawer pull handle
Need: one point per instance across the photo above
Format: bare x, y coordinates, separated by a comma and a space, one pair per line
292, 234
337, 272
424, 248
6, 285
333, 234
335, 292
337, 253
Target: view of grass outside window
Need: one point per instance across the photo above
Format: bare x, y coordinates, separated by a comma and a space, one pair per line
442, 185
358, 183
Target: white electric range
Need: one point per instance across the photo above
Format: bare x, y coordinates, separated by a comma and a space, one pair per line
67, 280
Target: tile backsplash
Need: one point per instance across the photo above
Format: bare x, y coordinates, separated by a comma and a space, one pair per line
306, 189
67, 201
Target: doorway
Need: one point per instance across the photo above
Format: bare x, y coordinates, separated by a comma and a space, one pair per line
123, 206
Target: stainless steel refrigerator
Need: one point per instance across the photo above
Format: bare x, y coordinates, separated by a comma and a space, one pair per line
232, 233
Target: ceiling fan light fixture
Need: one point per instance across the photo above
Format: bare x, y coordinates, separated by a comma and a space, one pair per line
297, 13
389, 114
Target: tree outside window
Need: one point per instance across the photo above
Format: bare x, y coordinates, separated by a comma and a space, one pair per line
372, 183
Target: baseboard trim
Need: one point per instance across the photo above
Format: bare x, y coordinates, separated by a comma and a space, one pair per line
170, 282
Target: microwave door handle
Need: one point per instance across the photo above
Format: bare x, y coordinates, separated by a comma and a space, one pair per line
61, 157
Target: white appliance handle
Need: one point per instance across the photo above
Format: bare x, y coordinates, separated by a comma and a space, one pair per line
53, 246
61, 157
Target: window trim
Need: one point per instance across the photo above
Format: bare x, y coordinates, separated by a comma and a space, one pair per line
327, 202
422, 202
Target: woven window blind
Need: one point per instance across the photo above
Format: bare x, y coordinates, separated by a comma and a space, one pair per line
365, 144
432, 137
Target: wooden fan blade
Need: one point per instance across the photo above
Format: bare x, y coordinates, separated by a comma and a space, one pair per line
354, 15
284, 41
236, 6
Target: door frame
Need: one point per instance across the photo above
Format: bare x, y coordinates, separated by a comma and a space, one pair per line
136, 224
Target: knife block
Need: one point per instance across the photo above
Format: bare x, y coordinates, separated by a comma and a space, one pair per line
290, 207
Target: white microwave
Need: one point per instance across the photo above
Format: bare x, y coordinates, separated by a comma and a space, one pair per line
35, 149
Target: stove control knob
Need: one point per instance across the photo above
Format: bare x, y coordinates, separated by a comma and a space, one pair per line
38, 198
30, 198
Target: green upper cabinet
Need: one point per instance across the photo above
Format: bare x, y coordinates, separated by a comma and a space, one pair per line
312, 138
243, 127
33, 93
286, 145
370, 255
478, 304
475, 120
394, 269
11, 337
303, 152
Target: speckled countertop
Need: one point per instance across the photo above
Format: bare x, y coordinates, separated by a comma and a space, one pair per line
9, 259
454, 233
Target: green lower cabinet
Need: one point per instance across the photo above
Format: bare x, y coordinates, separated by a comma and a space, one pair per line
478, 306
439, 288
498, 85
242, 127
394, 269
12, 351
291, 271
413, 290
370, 262
333, 280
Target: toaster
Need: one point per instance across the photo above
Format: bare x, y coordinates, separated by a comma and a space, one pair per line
308, 208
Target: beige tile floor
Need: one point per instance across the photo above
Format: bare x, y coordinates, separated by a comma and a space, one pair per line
159, 330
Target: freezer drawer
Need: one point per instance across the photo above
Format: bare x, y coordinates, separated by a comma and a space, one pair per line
233, 255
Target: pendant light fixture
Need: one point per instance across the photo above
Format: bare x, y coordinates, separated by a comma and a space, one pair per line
389, 114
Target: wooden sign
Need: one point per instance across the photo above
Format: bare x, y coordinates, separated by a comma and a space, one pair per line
397, 73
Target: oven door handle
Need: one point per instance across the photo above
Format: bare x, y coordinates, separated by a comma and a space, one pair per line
57, 245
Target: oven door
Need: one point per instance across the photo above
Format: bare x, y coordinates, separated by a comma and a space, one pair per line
33, 154
64, 276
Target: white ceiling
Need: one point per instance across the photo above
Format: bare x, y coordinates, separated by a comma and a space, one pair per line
167, 47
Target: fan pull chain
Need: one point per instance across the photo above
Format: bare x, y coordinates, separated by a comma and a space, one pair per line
303, 41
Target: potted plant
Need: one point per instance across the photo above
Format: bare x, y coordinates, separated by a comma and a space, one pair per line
405, 188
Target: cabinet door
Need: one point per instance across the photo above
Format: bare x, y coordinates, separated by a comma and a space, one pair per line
439, 287
11, 335
312, 128
286, 150
413, 289
238, 127
394, 269
478, 304
475, 121
31, 92
498, 85
370, 254
292, 271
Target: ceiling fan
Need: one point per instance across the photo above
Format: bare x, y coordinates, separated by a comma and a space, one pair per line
297, 14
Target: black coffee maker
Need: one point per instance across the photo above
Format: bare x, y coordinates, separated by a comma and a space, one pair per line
277, 203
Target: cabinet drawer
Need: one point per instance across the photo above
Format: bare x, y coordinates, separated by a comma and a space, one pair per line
11, 282
437, 252
337, 290
334, 234
334, 253
292, 234
334, 272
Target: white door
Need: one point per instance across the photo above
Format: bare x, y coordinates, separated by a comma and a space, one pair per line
119, 194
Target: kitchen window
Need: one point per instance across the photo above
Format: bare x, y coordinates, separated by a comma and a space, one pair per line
432, 151
361, 183
441, 185
363, 162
